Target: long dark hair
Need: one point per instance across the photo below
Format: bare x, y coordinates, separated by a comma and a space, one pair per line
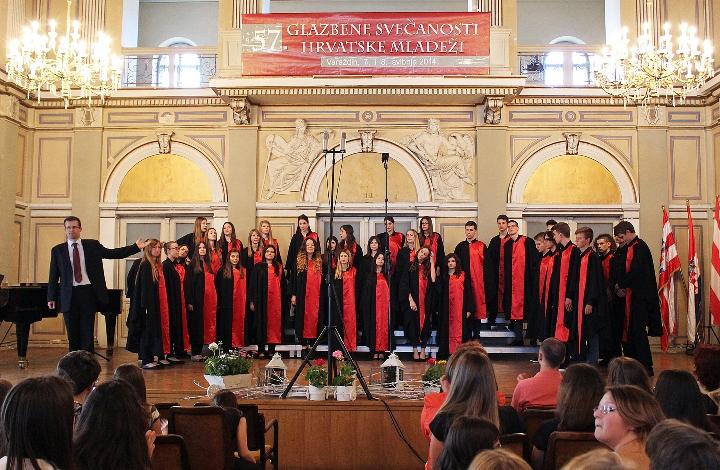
201, 263
198, 234
374, 268
228, 267
349, 241
37, 423
110, 432
370, 240
468, 435
458, 264
580, 390
222, 242
680, 398
305, 218
275, 262
430, 230
302, 261
133, 375
628, 371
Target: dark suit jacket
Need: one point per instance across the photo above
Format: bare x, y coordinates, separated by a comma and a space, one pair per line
61, 271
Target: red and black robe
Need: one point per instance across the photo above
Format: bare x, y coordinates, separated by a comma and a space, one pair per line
479, 278
297, 245
415, 281
232, 307
149, 322
265, 242
397, 240
226, 248
454, 327
216, 259
310, 297
611, 347
201, 294
586, 287
347, 290
559, 320
434, 241
174, 274
521, 271
267, 293
496, 257
540, 326
376, 299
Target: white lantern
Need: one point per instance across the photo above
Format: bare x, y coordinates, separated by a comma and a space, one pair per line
393, 372
275, 371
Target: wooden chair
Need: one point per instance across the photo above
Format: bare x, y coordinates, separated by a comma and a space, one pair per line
170, 453
564, 445
514, 443
164, 409
207, 437
257, 429
533, 418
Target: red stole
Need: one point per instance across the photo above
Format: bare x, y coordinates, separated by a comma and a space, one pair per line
456, 286
312, 235
422, 289
238, 308
215, 260
517, 290
180, 268
394, 242
209, 309
312, 300
349, 309
581, 295
606, 267
274, 306
628, 292
382, 302
257, 257
546, 268
476, 251
266, 242
501, 273
164, 310
431, 241
561, 331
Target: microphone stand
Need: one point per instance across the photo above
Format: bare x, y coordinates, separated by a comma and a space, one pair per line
385, 158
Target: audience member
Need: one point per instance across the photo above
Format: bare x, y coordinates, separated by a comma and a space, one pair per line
628, 371
82, 370
707, 371
673, 444
467, 436
623, 419
598, 459
498, 459
237, 424
540, 391
37, 425
5, 387
680, 398
111, 431
133, 375
580, 390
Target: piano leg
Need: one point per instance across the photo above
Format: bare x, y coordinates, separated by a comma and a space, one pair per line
22, 334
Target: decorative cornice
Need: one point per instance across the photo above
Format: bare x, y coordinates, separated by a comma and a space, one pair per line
367, 90
597, 101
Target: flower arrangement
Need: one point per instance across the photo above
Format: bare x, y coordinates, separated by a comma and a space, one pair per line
434, 371
316, 374
346, 375
227, 363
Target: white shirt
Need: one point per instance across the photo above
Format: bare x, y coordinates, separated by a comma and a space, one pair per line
85, 279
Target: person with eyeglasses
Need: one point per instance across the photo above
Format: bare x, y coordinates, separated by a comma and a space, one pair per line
623, 419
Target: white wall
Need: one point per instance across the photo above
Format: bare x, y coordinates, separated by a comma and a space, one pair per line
541, 21
159, 21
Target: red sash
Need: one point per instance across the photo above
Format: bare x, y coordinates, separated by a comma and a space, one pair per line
581, 296
180, 268
382, 301
257, 257
394, 242
477, 277
274, 306
164, 310
606, 268
561, 331
628, 293
349, 310
215, 260
209, 309
456, 285
422, 289
546, 267
517, 291
238, 310
501, 274
312, 300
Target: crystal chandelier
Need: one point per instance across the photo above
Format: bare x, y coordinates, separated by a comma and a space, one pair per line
648, 70
63, 65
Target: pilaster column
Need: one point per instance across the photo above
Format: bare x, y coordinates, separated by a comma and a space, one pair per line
8, 177
653, 178
242, 175
492, 172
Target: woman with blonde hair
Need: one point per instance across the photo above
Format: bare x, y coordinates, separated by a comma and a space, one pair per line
598, 459
347, 295
266, 236
307, 292
198, 234
498, 459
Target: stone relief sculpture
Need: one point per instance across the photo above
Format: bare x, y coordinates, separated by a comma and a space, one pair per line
572, 141
289, 161
164, 140
447, 159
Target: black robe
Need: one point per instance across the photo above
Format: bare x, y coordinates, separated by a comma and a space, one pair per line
195, 296
368, 312
145, 329
530, 285
394, 280
226, 298
492, 298
612, 347
225, 249
295, 247
189, 241
554, 301
175, 307
594, 295
409, 285
357, 251
297, 286
439, 250
258, 295
540, 326
134, 322
462, 251
442, 292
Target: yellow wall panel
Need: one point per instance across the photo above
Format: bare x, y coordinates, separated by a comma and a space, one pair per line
685, 167
54, 156
48, 233
165, 178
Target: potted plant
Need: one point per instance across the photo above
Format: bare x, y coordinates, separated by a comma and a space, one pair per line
317, 378
433, 373
344, 382
228, 369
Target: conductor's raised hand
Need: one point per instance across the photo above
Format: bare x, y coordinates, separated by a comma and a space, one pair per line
141, 243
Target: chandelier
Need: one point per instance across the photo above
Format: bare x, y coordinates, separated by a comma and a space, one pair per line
648, 70
63, 65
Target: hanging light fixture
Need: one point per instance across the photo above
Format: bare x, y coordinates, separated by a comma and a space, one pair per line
648, 70
63, 65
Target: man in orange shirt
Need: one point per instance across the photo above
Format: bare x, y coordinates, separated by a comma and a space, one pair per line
540, 391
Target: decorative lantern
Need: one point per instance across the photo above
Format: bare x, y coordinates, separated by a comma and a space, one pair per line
275, 371
393, 372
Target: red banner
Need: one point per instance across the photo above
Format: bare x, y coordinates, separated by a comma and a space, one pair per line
289, 44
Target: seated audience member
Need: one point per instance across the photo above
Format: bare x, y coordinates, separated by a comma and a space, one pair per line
467, 436
237, 423
82, 370
673, 444
111, 432
598, 459
628, 371
433, 401
623, 419
133, 375
472, 392
540, 391
680, 398
580, 390
707, 371
5, 387
498, 459
37, 425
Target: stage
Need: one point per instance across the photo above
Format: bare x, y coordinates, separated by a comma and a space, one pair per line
314, 435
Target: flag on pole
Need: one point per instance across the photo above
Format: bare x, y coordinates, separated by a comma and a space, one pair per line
693, 281
715, 271
669, 265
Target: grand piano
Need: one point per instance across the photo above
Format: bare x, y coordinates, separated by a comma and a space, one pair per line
27, 303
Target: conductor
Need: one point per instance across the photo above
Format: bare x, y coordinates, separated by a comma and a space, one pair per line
76, 283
